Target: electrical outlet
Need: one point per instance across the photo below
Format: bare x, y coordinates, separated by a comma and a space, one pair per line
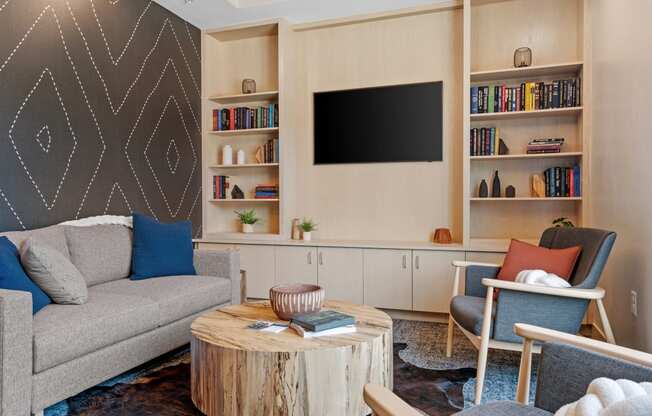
633, 304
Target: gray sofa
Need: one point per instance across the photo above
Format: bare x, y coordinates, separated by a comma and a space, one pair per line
65, 349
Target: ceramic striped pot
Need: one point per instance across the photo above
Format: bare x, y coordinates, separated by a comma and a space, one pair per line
292, 299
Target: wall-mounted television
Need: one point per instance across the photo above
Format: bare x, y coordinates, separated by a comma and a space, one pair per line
398, 123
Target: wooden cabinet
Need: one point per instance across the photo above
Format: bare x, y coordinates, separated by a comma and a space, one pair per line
432, 279
388, 278
340, 273
296, 265
259, 262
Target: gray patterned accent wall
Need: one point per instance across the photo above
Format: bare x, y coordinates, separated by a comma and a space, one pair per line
99, 112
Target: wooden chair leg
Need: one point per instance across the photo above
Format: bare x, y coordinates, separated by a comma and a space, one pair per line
605, 322
484, 345
524, 373
449, 341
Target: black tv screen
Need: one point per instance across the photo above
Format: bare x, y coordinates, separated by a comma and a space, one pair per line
401, 123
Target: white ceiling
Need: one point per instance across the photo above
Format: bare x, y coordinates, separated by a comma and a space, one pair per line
207, 14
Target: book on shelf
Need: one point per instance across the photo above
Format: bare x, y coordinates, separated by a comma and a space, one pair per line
242, 118
323, 320
221, 186
528, 96
563, 182
270, 151
547, 145
484, 141
266, 192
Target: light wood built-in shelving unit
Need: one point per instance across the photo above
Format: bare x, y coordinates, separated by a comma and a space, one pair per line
556, 31
230, 55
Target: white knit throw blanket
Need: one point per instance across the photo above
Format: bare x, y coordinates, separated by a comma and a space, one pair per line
541, 278
607, 397
102, 220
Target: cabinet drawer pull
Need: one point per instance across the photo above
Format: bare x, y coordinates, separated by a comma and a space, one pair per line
416, 262
404, 261
310, 257
321, 258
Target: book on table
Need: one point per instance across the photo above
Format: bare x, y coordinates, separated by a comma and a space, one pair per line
321, 321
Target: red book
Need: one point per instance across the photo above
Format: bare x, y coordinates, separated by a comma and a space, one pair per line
215, 120
503, 105
231, 119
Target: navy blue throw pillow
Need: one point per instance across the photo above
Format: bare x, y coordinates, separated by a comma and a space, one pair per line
161, 249
13, 276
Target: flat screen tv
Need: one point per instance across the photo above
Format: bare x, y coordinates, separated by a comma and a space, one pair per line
400, 123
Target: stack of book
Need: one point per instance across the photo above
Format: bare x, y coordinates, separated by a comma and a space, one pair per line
323, 323
538, 146
240, 118
221, 186
563, 182
484, 141
526, 97
270, 151
266, 192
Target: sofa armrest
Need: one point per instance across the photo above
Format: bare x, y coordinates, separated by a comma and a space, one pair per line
15, 352
224, 263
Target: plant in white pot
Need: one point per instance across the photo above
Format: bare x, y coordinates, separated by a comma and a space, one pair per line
307, 226
247, 219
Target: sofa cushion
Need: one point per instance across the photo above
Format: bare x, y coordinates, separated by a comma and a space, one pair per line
53, 236
176, 296
468, 311
102, 253
53, 273
65, 332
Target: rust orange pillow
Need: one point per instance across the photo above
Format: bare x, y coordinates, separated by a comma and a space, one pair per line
524, 256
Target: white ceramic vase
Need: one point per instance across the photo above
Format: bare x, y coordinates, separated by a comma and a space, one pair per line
307, 236
240, 157
247, 228
227, 155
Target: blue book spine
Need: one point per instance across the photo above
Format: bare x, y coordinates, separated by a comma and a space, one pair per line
578, 180
474, 100
219, 119
270, 117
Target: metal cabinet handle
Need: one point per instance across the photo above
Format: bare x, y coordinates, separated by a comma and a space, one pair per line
321, 258
416, 262
404, 261
310, 257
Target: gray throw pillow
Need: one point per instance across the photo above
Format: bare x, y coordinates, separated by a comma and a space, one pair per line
53, 273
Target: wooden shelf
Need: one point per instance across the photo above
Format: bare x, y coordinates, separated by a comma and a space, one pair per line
246, 200
246, 165
525, 198
528, 156
551, 112
244, 132
529, 72
246, 98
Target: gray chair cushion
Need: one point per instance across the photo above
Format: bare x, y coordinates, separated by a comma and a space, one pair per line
53, 273
565, 373
102, 253
53, 236
503, 409
65, 332
176, 296
467, 311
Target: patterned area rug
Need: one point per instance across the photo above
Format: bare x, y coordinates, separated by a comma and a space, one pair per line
423, 377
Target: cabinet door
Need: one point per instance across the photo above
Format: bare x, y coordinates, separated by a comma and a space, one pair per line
340, 273
296, 265
259, 263
388, 278
432, 277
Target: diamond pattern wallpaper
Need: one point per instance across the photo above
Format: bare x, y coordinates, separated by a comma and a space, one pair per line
99, 112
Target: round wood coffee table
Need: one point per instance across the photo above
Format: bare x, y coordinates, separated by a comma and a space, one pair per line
240, 371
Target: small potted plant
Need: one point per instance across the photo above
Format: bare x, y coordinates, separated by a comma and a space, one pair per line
307, 226
563, 222
247, 219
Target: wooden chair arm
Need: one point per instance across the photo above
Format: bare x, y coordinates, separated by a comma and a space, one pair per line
385, 403
461, 263
597, 293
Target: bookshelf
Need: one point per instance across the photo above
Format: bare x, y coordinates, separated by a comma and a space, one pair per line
230, 55
555, 32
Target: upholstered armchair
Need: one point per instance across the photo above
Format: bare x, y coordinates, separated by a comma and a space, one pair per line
489, 324
567, 365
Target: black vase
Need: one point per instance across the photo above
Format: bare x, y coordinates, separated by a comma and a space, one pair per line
495, 188
483, 192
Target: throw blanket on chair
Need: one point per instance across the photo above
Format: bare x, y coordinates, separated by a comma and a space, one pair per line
607, 397
102, 220
541, 278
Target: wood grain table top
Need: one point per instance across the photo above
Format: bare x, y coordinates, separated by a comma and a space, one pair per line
227, 328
